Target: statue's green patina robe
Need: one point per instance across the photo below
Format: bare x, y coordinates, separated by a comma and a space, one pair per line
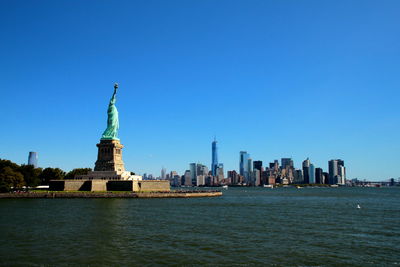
112, 122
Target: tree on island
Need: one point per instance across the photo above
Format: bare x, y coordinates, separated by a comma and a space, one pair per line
77, 171
31, 174
51, 174
15, 176
10, 179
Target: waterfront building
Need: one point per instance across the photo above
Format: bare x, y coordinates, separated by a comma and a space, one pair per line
325, 177
187, 178
193, 173
33, 159
256, 179
249, 172
201, 180
306, 171
201, 169
298, 177
333, 171
319, 178
264, 177
244, 169
341, 175
272, 180
233, 176
175, 180
209, 180
337, 171
220, 173
214, 158
312, 174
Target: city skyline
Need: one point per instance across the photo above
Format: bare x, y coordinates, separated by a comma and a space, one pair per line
277, 79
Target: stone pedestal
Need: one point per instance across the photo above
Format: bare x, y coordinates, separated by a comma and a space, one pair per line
109, 156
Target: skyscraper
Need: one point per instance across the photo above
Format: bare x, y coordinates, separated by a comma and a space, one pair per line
33, 159
193, 173
306, 171
163, 173
249, 172
214, 158
337, 171
319, 177
286, 162
333, 171
342, 175
257, 164
243, 162
187, 178
245, 166
220, 172
298, 177
312, 174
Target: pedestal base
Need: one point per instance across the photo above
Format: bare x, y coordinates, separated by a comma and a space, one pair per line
110, 185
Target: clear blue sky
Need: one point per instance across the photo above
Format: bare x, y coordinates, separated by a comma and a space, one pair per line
318, 79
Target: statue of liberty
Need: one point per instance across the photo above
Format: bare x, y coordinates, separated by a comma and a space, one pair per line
112, 122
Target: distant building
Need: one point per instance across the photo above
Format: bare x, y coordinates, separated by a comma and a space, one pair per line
298, 177
276, 165
337, 171
271, 165
342, 175
306, 171
285, 162
193, 173
201, 169
249, 172
264, 177
220, 173
163, 173
187, 178
326, 177
312, 174
256, 179
233, 176
244, 169
33, 159
201, 180
319, 177
258, 165
214, 158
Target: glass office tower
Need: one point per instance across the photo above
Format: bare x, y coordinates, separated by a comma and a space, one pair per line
33, 159
214, 158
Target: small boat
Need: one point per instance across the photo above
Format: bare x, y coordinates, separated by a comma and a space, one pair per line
225, 187
358, 206
269, 186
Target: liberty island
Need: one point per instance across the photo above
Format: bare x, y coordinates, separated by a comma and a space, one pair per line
109, 173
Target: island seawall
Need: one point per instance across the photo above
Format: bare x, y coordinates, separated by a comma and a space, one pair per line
171, 194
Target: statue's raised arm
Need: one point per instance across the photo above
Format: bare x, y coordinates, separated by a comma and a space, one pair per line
112, 122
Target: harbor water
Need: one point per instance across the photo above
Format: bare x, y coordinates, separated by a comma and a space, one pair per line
246, 226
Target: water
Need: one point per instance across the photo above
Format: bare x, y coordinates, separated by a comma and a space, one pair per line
247, 226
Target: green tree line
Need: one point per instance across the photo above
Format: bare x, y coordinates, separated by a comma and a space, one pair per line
14, 176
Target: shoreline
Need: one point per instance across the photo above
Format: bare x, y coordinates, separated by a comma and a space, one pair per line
172, 194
